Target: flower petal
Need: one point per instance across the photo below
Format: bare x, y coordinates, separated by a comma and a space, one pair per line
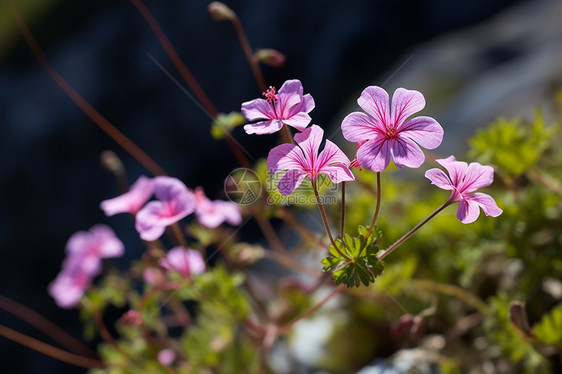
358, 126
486, 202
308, 103
331, 155
257, 109
406, 152
283, 157
404, 104
374, 154
423, 130
456, 169
292, 87
338, 173
439, 178
132, 200
309, 140
262, 128
291, 181
468, 211
476, 176
374, 100
299, 121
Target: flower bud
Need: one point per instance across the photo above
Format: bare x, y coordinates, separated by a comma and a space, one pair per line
402, 327
131, 318
518, 318
111, 162
220, 11
271, 57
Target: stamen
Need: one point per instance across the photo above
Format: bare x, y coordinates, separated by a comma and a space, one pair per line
270, 95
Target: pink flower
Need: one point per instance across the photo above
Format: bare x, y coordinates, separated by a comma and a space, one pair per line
388, 132
132, 200
303, 161
84, 249
185, 261
175, 202
70, 284
288, 106
212, 213
89, 247
166, 357
463, 181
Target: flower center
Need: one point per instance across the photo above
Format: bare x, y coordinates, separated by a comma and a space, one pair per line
270, 95
391, 132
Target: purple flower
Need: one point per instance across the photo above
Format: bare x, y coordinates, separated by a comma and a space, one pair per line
288, 106
212, 213
463, 180
388, 132
303, 161
84, 249
132, 200
175, 202
185, 261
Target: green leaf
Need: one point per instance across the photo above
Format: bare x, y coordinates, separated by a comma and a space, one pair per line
549, 328
361, 264
224, 123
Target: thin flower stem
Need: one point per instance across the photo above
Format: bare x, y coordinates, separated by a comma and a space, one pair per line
342, 227
377, 209
325, 219
248, 52
49, 350
286, 135
176, 60
286, 328
93, 114
104, 333
47, 327
412, 231
179, 235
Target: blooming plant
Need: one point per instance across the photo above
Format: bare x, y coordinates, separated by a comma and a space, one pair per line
200, 298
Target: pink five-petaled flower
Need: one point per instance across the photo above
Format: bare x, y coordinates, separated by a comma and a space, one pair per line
388, 132
185, 261
174, 202
288, 106
132, 200
84, 249
463, 180
212, 213
303, 161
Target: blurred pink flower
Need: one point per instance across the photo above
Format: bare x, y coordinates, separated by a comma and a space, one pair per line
93, 245
212, 213
174, 202
84, 249
463, 180
166, 357
388, 132
303, 161
288, 106
185, 261
132, 200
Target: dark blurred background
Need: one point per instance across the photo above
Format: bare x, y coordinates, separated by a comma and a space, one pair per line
473, 61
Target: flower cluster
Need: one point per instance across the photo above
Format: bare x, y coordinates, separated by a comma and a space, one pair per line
386, 131
174, 201
84, 251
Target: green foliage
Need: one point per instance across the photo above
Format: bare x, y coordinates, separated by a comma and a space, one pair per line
549, 328
224, 123
512, 145
512, 342
361, 264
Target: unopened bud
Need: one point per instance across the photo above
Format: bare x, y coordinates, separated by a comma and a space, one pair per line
270, 57
518, 318
111, 162
419, 327
220, 11
402, 327
131, 318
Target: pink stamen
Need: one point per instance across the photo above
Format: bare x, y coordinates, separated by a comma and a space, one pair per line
270, 95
